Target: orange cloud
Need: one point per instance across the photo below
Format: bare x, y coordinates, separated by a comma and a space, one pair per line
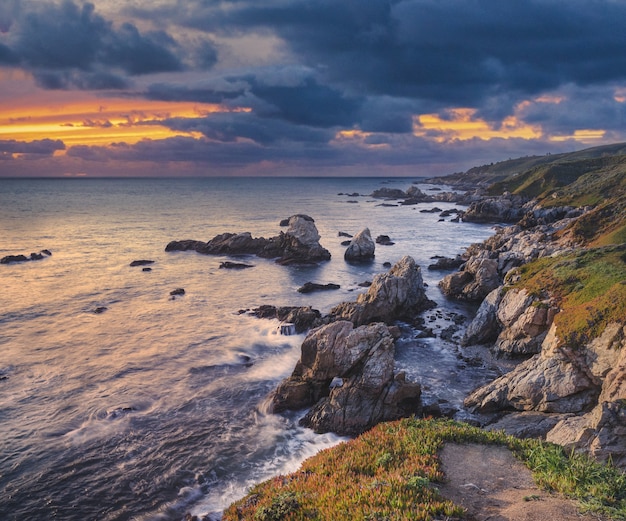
582, 135
463, 125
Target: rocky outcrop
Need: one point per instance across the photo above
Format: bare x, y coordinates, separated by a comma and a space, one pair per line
484, 327
303, 318
310, 287
478, 277
361, 247
298, 245
506, 208
395, 295
9, 259
347, 375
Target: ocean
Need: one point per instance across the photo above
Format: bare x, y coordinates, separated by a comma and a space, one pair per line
119, 401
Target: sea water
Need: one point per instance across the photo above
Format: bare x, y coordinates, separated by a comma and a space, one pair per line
119, 401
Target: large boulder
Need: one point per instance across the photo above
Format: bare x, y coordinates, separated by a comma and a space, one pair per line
484, 327
506, 208
347, 375
477, 278
361, 247
395, 295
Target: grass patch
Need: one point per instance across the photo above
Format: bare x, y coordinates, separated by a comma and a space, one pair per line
391, 473
589, 286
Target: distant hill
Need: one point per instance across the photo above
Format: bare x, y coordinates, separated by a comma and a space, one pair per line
486, 175
594, 177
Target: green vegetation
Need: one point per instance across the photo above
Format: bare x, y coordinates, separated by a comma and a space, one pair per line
589, 285
392, 471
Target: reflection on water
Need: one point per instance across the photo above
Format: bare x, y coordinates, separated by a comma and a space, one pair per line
152, 406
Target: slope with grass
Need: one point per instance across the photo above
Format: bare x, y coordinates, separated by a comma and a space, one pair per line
394, 472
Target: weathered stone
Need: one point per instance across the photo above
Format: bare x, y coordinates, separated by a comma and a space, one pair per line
484, 327
303, 318
477, 279
310, 287
361, 361
447, 263
394, 295
361, 247
527, 424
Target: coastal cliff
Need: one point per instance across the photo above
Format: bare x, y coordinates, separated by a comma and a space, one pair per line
551, 289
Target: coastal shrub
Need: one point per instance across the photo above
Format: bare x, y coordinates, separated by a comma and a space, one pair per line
391, 472
588, 286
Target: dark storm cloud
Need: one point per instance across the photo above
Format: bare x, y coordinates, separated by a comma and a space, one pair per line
39, 148
447, 51
71, 46
228, 127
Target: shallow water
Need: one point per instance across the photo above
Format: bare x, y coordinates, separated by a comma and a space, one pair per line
152, 408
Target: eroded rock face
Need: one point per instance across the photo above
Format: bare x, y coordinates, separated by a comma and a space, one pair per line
298, 245
478, 277
485, 326
496, 209
347, 375
397, 294
361, 247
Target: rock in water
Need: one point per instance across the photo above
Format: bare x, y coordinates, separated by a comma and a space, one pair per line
361, 247
362, 360
397, 294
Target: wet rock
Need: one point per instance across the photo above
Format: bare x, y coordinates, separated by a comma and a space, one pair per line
384, 240
389, 193
303, 317
100, 309
394, 295
344, 234
227, 265
310, 287
484, 327
447, 263
177, 292
9, 259
361, 247
362, 359
146, 269
477, 279
142, 262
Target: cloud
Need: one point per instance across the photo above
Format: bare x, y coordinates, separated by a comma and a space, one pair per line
33, 149
67, 45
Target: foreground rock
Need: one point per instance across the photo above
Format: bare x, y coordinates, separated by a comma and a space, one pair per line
347, 375
298, 245
361, 247
398, 294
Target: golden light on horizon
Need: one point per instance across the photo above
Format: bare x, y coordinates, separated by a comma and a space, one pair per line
98, 122
462, 125
357, 136
582, 135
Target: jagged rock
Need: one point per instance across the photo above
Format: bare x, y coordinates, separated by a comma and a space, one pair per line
484, 327
287, 222
310, 287
551, 385
394, 295
527, 424
298, 245
526, 333
388, 193
384, 240
477, 279
361, 247
360, 361
447, 263
496, 209
303, 318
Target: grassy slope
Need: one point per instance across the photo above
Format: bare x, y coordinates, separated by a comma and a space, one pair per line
392, 471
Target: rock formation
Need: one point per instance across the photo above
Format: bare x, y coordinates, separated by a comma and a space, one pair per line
361, 247
298, 245
395, 295
346, 374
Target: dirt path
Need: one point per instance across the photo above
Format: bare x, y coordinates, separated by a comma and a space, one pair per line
492, 485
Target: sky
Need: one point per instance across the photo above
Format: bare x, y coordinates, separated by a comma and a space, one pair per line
304, 87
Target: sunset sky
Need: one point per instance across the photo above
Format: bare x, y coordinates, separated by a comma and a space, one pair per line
304, 87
